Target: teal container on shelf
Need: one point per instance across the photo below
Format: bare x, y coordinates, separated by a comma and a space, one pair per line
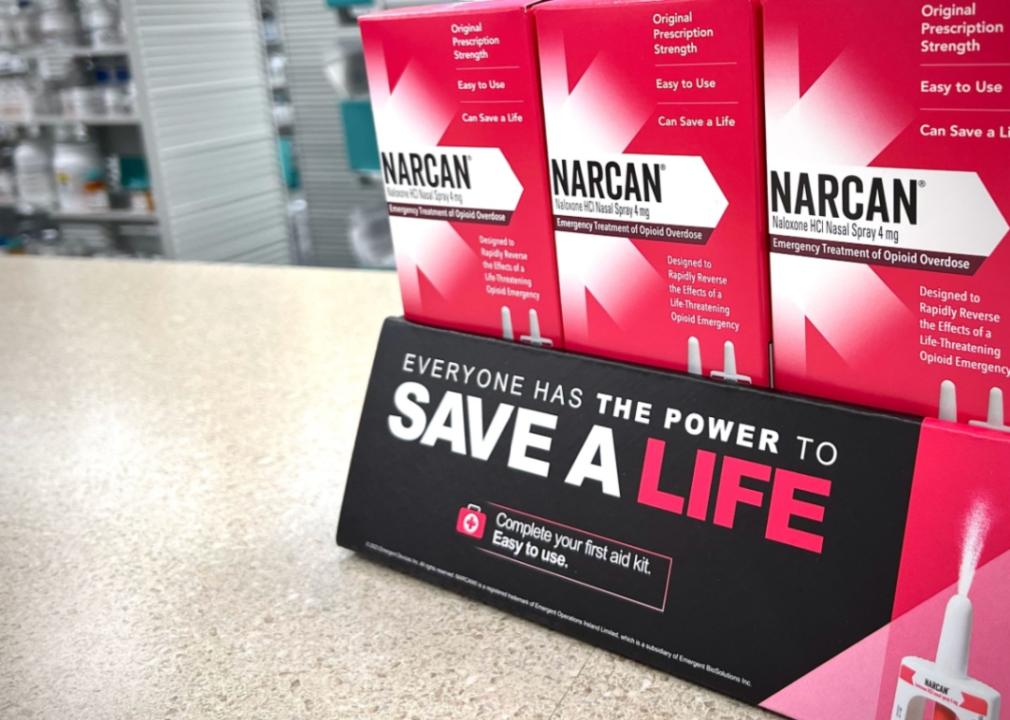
133, 173
289, 166
347, 3
359, 135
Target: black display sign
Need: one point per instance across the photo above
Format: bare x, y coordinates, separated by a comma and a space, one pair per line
731, 536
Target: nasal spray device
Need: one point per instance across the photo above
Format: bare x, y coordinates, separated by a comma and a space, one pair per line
942, 689
995, 419
728, 372
534, 338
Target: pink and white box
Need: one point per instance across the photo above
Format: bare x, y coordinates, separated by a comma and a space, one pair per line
653, 116
456, 99
889, 182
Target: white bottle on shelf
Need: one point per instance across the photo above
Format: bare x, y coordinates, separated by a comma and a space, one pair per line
55, 72
34, 172
100, 21
57, 23
79, 171
17, 102
112, 94
65, 86
25, 24
8, 37
126, 94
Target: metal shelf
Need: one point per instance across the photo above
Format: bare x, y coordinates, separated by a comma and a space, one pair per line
94, 120
97, 216
112, 216
77, 52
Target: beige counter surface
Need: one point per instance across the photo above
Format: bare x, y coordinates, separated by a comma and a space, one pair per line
173, 446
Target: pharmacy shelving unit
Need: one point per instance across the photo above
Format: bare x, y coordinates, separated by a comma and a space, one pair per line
205, 125
284, 121
204, 105
330, 187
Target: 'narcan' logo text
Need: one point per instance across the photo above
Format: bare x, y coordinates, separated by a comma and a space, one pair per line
639, 182
874, 199
430, 170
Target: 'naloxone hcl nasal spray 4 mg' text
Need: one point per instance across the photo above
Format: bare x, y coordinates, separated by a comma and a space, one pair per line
889, 191
653, 125
456, 99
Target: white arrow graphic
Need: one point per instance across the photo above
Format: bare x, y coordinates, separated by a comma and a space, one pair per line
691, 196
948, 200
493, 185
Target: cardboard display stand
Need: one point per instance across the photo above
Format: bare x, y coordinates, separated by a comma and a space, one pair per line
784, 551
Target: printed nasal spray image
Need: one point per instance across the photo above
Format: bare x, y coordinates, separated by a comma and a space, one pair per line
888, 137
652, 112
944, 690
456, 100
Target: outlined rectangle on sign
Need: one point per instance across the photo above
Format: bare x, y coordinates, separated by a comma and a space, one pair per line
594, 561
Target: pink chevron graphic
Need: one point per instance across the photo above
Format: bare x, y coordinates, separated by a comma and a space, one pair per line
821, 293
813, 129
432, 249
610, 268
578, 57
593, 96
412, 114
781, 59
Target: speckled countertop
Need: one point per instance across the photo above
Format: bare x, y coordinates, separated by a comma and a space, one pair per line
173, 445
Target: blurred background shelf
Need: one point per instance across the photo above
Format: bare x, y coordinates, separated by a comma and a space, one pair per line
81, 215
119, 216
45, 51
181, 121
51, 120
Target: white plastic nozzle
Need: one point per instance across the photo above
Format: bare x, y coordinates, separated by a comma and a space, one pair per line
506, 324
948, 401
693, 356
996, 407
535, 338
955, 637
995, 418
728, 372
729, 358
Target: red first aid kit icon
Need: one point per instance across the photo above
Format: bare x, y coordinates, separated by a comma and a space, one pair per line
471, 522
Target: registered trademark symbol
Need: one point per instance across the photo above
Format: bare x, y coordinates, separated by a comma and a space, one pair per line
922, 183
